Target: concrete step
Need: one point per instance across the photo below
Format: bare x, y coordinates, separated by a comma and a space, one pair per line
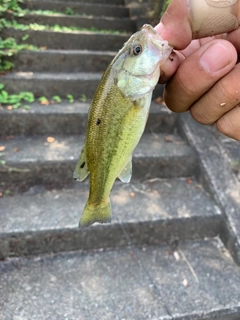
217, 176
95, 9
37, 161
231, 148
152, 212
113, 2
106, 23
69, 40
127, 283
66, 118
62, 61
49, 84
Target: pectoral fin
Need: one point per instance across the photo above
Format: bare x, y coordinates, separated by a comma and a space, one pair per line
81, 170
126, 173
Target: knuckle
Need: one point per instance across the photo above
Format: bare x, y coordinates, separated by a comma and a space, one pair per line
228, 86
228, 91
200, 115
228, 128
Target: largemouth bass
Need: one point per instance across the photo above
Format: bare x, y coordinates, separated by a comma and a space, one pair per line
117, 118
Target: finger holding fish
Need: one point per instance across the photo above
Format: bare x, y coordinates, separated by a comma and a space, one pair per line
185, 20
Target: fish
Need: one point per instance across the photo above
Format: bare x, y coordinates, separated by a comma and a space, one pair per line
116, 119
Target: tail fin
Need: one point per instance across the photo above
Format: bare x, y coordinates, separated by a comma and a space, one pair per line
95, 214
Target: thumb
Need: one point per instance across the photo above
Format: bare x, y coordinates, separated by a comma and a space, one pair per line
185, 20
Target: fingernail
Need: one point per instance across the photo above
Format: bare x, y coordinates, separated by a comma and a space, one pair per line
159, 28
215, 58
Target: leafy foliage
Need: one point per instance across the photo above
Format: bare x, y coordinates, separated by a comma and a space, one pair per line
57, 99
69, 11
9, 47
57, 28
15, 100
83, 98
70, 98
10, 5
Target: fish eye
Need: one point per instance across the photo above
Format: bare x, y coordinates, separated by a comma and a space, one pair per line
137, 49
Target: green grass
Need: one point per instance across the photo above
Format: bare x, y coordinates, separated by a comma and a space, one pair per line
22, 12
57, 28
10, 5
19, 100
8, 48
14, 8
15, 100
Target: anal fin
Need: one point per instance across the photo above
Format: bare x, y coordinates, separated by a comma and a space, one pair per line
126, 173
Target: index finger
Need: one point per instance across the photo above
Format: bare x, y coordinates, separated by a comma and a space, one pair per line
185, 20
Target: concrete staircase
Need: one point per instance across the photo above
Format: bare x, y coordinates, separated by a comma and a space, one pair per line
172, 250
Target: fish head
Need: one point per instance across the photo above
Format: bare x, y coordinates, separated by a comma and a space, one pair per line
136, 67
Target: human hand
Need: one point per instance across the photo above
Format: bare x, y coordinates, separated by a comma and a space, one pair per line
203, 76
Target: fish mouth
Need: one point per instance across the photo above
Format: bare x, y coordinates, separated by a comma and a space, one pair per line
161, 48
156, 40
162, 45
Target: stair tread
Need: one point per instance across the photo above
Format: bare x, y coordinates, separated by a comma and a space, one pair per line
71, 119
75, 3
76, 107
140, 282
153, 200
74, 17
50, 84
96, 9
36, 149
17, 32
33, 160
153, 212
121, 2
62, 61
54, 75
69, 40
67, 52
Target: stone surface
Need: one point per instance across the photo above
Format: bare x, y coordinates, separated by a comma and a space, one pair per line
34, 160
232, 152
95, 9
153, 212
101, 23
113, 2
66, 118
218, 177
132, 283
50, 84
69, 40
62, 60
